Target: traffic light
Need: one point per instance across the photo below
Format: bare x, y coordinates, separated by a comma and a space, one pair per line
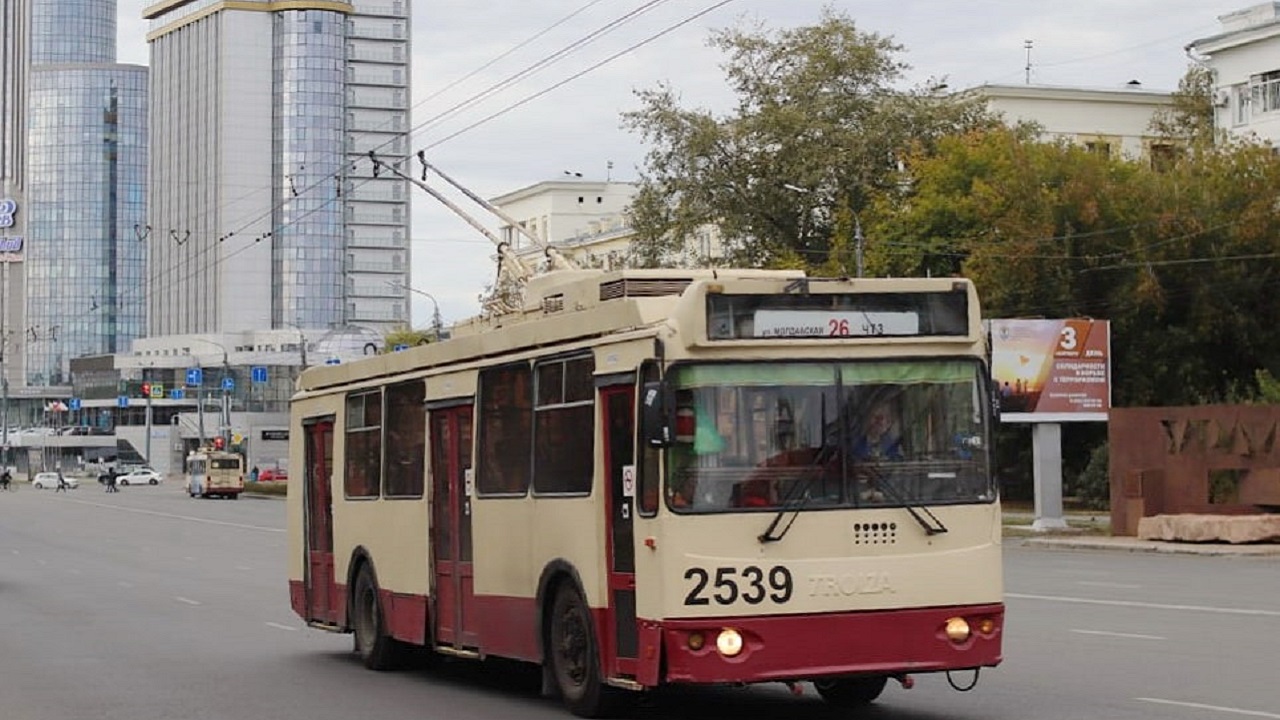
146, 389
218, 443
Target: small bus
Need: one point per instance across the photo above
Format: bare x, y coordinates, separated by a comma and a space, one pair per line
649, 478
215, 473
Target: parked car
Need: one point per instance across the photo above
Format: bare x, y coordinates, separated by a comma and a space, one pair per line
273, 475
49, 481
139, 476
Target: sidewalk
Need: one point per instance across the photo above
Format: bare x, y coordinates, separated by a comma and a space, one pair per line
1091, 531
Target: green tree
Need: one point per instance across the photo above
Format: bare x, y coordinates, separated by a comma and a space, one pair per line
405, 335
1189, 120
820, 127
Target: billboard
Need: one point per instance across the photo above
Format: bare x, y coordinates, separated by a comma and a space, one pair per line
1052, 370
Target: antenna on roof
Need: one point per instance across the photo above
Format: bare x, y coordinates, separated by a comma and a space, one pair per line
1027, 44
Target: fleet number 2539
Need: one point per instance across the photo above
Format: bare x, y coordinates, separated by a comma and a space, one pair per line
726, 585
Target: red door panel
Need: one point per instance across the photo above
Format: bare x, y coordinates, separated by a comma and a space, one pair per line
322, 601
454, 617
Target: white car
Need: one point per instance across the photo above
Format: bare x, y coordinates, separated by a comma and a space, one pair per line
139, 476
49, 481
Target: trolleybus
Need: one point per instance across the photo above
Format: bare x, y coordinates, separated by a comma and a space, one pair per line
215, 473
647, 478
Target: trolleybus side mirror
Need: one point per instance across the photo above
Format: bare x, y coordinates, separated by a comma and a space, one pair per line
655, 415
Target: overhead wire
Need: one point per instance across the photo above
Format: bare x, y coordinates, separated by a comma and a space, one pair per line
227, 257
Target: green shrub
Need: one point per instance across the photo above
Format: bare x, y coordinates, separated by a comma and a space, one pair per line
1093, 485
266, 488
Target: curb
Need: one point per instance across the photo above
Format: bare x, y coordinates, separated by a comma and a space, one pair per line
1128, 544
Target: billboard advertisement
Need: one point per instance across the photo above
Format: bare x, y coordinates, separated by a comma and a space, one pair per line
1052, 370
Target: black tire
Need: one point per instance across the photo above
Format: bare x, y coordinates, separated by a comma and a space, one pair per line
573, 653
377, 650
154, 482
849, 693
123, 482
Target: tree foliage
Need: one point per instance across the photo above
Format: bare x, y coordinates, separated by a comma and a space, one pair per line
819, 128
1189, 120
1182, 261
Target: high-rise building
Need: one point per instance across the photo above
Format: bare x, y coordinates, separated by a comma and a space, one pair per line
14, 37
264, 211
81, 159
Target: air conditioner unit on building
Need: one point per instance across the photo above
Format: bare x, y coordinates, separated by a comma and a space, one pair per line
1222, 98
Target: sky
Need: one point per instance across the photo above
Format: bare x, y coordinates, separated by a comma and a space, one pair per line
576, 127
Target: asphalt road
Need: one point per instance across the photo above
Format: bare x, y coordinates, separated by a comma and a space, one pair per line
148, 605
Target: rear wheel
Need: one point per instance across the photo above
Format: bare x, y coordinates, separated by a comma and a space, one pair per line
377, 649
123, 481
574, 656
154, 481
850, 692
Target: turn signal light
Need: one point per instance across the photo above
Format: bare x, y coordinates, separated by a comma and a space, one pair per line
696, 641
986, 626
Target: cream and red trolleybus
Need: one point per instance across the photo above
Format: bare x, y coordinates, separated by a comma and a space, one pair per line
643, 478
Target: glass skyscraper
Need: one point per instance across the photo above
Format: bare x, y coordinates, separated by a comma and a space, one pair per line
263, 205
86, 169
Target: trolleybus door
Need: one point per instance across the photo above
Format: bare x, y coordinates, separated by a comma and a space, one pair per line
619, 442
454, 614
321, 594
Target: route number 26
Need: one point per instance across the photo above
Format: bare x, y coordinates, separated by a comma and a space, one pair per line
751, 584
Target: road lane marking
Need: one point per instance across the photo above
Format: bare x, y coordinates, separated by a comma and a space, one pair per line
175, 516
1108, 633
1121, 586
188, 601
1145, 605
278, 626
1216, 708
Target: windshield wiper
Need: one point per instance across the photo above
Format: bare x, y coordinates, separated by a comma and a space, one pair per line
931, 528
797, 497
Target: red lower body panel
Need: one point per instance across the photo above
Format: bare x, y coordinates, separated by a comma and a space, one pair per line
807, 646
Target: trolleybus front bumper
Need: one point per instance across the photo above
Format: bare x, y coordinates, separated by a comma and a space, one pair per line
798, 647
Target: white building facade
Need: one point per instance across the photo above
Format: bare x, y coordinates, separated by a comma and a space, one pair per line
1245, 60
1112, 121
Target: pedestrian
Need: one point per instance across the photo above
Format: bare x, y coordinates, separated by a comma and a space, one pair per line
62, 483
111, 481
253, 474
5, 479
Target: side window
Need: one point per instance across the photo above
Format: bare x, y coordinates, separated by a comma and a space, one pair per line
506, 404
649, 482
405, 439
564, 426
363, 449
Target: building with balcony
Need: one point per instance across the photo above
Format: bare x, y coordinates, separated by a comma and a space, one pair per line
1245, 60
265, 211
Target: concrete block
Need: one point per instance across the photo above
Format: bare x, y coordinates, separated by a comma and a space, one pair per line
1234, 529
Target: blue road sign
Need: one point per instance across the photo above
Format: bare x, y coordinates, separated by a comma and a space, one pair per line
228, 383
73, 404
195, 377
400, 348
122, 401
177, 394
333, 361
259, 374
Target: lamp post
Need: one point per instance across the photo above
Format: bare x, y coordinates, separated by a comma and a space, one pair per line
436, 324
225, 428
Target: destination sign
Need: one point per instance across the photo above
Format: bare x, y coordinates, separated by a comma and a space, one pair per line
838, 315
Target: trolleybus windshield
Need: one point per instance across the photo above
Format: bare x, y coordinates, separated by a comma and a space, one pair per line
773, 436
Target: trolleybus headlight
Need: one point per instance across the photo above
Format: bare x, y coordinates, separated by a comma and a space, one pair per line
729, 642
957, 630
696, 641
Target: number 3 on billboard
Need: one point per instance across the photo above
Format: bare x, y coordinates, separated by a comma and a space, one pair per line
1067, 341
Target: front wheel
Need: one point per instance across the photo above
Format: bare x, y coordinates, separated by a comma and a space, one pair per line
378, 650
124, 482
850, 692
155, 481
572, 651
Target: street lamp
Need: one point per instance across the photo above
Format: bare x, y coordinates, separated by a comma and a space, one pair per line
226, 400
857, 227
436, 324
